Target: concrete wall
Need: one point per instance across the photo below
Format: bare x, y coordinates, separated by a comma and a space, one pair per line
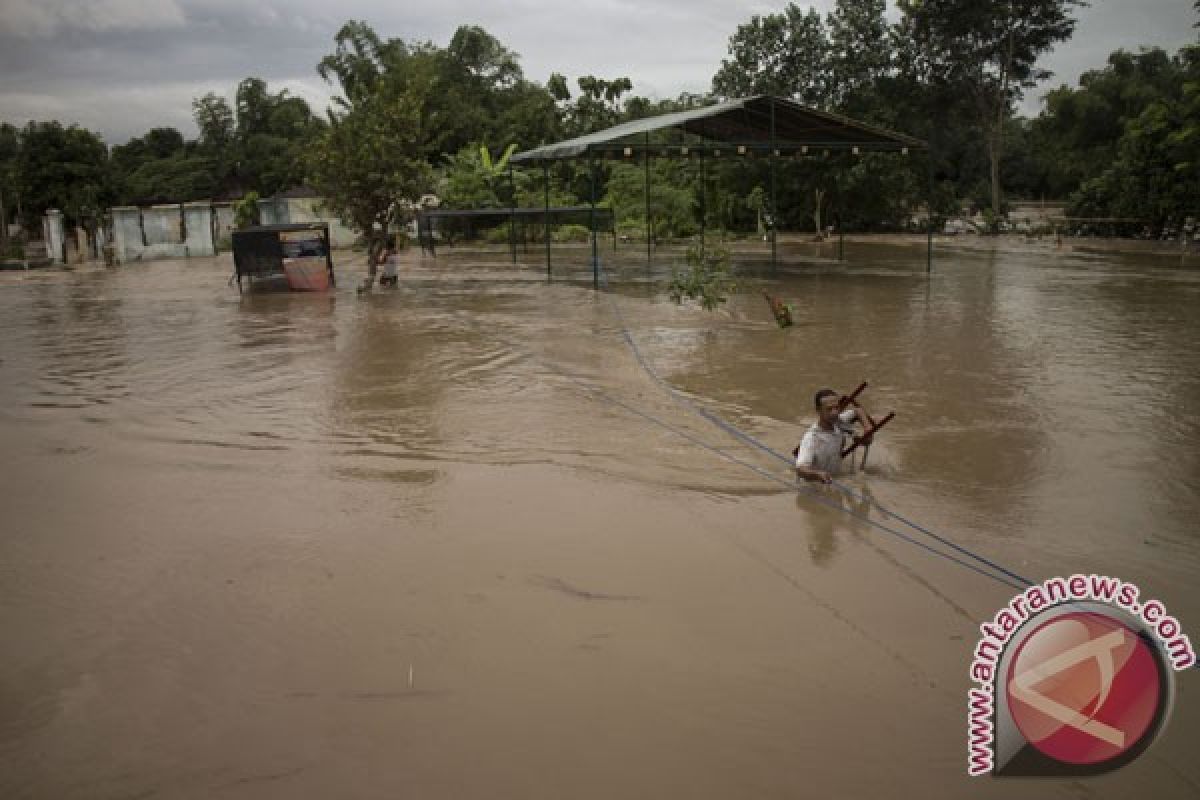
272, 211
52, 234
127, 233
164, 231
223, 226
1036, 215
198, 230
202, 228
309, 209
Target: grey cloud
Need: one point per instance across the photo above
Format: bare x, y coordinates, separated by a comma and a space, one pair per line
141, 67
42, 19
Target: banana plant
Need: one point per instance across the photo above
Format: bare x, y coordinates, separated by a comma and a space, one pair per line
497, 169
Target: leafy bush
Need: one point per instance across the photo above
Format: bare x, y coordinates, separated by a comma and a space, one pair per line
245, 211
497, 235
571, 233
707, 278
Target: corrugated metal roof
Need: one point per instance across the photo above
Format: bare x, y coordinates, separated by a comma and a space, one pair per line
747, 121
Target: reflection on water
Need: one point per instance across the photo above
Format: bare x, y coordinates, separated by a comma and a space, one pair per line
277, 480
1035, 392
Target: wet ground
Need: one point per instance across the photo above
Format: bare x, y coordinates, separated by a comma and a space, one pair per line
456, 540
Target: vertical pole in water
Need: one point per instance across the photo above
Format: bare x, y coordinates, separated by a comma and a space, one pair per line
649, 221
929, 208
703, 202
512, 213
774, 209
546, 213
592, 225
840, 225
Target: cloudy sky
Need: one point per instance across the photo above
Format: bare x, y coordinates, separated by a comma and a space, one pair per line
121, 67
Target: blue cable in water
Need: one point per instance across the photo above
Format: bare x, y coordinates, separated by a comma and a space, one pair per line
679, 397
736, 432
1012, 579
772, 477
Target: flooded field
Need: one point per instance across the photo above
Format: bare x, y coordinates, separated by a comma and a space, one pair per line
457, 540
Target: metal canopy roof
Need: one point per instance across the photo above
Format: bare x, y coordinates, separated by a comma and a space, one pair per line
759, 122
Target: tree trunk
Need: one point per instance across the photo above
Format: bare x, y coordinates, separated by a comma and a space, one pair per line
820, 195
374, 248
994, 145
3, 226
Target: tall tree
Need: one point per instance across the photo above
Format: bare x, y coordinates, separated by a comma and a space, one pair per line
859, 55
598, 105
1077, 134
160, 167
272, 131
369, 163
784, 54
215, 119
989, 50
1153, 174
10, 148
63, 168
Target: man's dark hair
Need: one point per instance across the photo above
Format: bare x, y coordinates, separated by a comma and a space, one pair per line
820, 395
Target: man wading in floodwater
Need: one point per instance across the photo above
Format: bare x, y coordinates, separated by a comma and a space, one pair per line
819, 456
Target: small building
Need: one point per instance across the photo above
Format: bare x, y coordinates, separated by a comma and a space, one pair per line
282, 257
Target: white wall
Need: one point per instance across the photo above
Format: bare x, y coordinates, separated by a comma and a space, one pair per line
53, 234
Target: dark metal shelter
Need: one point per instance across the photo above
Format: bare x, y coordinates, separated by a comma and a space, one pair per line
760, 125
434, 222
262, 253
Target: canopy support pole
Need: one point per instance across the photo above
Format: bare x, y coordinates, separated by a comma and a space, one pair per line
512, 214
592, 220
546, 213
703, 202
646, 194
929, 208
774, 209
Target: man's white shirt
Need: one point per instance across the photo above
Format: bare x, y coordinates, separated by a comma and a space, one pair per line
822, 449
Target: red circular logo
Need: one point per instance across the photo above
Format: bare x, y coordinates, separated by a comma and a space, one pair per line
1084, 688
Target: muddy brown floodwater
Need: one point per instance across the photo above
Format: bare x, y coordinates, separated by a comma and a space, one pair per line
455, 541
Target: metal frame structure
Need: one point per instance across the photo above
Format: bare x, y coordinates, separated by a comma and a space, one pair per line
758, 125
258, 251
600, 218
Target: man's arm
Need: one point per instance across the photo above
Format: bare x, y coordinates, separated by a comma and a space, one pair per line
810, 474
805, 455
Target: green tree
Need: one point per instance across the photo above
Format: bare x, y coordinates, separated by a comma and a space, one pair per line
475, 76
1078, 132
784, 54
598, 105
1155, 174
160, 167
672, 198
10, 148
218, 131
369, 163
473, 180
988, 50
273, 130
63, 168
859, 55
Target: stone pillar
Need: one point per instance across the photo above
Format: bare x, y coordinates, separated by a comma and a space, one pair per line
198, 224
273, 211
223, 223
127, 234
55, 241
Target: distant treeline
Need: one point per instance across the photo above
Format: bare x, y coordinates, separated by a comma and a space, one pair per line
415, 117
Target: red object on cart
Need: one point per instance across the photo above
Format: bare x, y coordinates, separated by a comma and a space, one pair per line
306, 274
